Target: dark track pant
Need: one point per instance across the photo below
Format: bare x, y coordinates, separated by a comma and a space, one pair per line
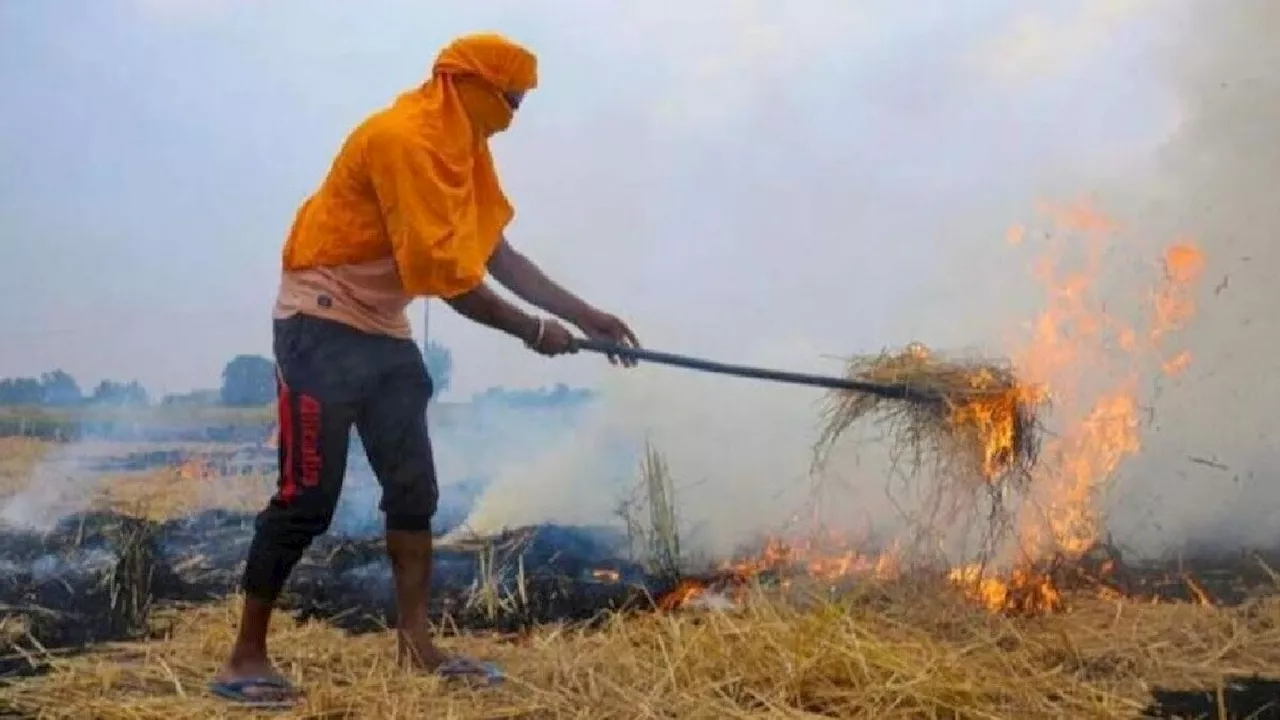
331, 377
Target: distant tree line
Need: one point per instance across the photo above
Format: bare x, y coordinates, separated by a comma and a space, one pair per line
249, 381
556, 396
59, 389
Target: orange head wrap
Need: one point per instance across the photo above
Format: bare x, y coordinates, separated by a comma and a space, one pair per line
466, 101
484, 71
438, 207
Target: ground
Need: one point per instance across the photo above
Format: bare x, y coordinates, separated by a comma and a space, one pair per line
891, 651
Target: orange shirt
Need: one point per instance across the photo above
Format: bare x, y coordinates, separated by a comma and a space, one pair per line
367, 296
411, 206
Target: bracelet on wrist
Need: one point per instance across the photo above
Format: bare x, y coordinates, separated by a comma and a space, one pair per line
536, 337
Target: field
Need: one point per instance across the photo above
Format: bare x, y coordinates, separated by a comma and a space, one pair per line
179, 422
879, 650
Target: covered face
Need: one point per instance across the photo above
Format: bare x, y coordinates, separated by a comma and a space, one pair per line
490, 75
438, 207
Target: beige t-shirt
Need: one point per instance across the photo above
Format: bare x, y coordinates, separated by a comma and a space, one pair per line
368, 297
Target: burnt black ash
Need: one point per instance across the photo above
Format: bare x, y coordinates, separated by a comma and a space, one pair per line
95, 576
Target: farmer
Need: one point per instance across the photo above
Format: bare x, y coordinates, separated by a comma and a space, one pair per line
411, 207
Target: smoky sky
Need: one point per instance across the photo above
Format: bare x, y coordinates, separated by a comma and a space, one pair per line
730, 176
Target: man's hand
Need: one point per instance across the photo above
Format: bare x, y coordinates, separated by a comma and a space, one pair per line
519, 275
598, 325
550, 338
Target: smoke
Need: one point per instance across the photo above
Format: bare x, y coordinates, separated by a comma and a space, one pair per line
476, 446
64, 481
835, 197
54, 567
1206, 471
737, 451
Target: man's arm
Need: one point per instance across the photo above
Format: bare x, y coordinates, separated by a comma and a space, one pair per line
486, 307
518, 274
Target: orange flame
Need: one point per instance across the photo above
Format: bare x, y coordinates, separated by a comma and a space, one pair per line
605, 575
1090, 361
992, 418
195, 468
812, 558
685, 592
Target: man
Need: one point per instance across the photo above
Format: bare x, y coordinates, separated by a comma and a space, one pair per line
411, 207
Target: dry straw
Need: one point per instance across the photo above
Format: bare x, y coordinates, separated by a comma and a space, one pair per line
980, 428
900, 656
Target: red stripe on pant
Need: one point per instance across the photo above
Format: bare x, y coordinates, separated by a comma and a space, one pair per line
284, 413
309, 424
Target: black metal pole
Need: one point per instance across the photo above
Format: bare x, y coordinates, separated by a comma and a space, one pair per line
892, 391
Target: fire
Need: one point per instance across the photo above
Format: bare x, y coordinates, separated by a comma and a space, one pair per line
811, 557
195, 468
992, 418
1024, 592
1090, 361
272, 439
816, 558
685, 592
605, 575
1176, 364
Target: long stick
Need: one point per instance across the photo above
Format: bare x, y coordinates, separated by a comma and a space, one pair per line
892, 391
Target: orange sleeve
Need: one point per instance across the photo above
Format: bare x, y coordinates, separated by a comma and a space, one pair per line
431, 225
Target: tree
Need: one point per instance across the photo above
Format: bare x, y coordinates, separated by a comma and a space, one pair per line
118, 394
21, 391
55, 388
248, 381
59, 389
440, 365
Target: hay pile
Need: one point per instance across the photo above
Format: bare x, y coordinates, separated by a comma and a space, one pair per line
890, 656
979, 429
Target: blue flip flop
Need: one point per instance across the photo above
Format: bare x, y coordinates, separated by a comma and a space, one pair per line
469, 670
282, 696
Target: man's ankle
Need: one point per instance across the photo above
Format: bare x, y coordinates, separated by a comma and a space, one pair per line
248, 654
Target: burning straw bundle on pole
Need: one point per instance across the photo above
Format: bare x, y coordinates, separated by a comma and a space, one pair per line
968, 419
980, 427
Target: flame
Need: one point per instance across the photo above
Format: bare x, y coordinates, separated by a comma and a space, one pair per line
272, 439
1089, 361
685, 592
1175, 365
1025, 592
813, 557
605, 575
195, 468
992, 418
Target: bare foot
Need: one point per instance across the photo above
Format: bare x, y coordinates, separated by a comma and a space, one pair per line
415, 650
